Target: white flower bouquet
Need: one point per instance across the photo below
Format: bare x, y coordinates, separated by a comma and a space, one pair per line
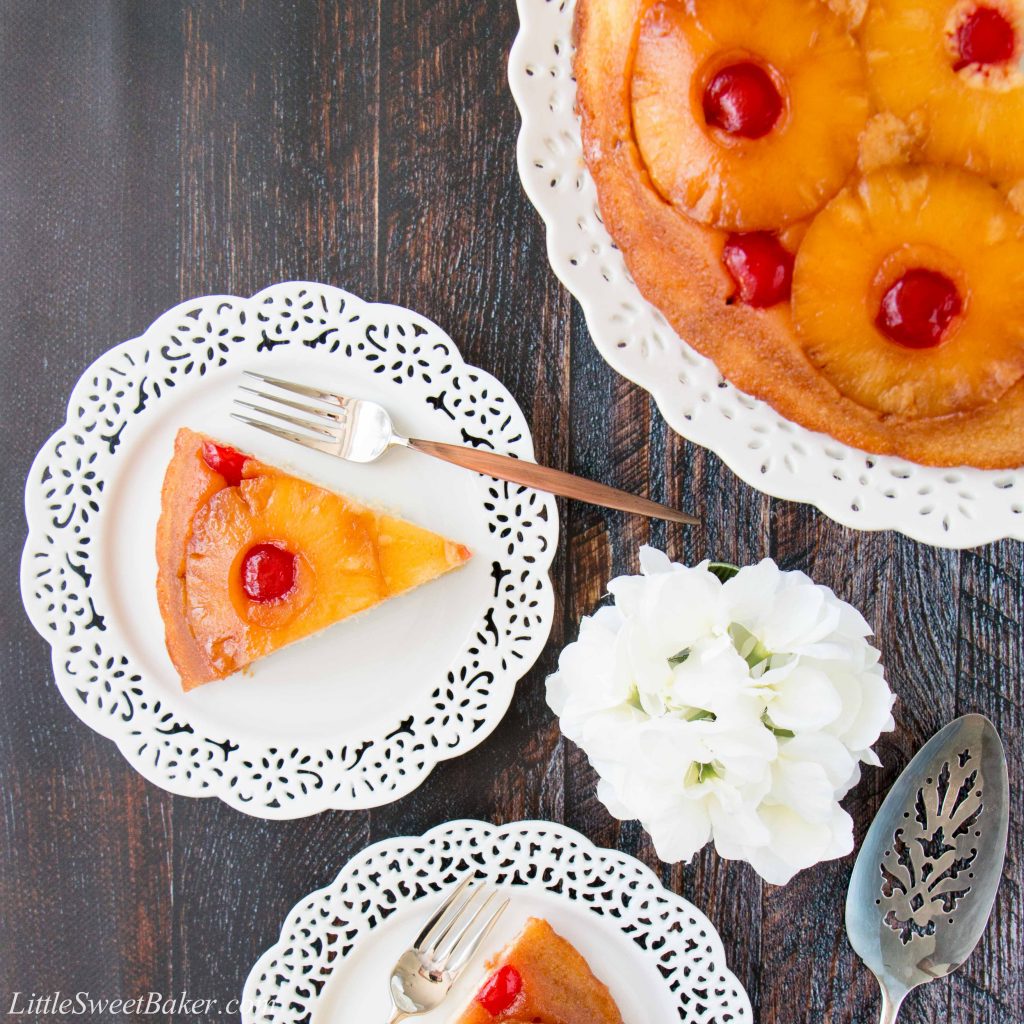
725, 704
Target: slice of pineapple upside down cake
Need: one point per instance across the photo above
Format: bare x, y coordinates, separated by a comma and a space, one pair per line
251, 559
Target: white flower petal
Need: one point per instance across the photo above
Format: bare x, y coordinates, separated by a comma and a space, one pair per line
736, 827
654, 561
678, 835
614, 804
874, 714
804, 788
870, 757
797, 844
804, 701
711, 678
852, 781
687, 607
557, 692
794, 620
820, 749
851, 622
751, 590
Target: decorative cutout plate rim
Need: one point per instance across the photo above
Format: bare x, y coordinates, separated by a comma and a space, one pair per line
65, 504
955, 508
288, 980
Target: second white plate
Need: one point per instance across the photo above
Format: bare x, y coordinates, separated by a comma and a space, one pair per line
659, 955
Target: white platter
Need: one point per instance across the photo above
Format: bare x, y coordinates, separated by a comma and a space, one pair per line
954, 508
660, 956
358, 715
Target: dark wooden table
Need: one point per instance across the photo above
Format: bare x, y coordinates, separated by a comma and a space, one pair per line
153, 151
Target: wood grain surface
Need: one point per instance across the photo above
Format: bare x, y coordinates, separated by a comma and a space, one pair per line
152, 151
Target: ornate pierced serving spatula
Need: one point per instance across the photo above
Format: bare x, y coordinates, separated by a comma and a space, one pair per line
926, 877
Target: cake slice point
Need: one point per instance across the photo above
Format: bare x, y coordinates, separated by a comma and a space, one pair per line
251, 559
541, 978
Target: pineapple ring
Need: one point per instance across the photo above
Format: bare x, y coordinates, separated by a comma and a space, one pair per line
972, 117
335, 545
727, 181
881, 226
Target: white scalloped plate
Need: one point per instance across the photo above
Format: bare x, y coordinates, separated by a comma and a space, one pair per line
358, 715
659, 955
948, 507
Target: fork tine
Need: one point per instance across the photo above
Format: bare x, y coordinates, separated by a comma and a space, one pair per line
299, 389
431, 951
431, 926
313, 428
339, 415
462, 947
287, 435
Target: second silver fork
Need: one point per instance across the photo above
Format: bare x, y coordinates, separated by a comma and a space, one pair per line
451, 938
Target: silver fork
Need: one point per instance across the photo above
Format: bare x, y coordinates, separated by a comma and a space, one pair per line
451, 938
362, 431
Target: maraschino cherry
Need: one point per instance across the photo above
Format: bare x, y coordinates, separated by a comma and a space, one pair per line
225, 461
268, 572
985, 36
742, 99
761, 267
916, 311
500, 990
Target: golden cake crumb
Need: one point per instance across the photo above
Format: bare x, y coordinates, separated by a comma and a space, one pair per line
887, 140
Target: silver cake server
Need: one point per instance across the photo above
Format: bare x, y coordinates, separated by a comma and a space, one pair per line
926, 877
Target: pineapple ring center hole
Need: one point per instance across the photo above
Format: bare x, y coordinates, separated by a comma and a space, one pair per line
920, 297
742, 97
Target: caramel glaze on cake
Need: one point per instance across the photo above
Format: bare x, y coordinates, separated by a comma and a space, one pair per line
672, 234
250, 558
541, 978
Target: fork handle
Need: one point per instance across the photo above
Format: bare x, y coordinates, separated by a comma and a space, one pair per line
544, 478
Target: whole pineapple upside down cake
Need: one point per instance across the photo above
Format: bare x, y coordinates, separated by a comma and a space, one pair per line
826, 200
